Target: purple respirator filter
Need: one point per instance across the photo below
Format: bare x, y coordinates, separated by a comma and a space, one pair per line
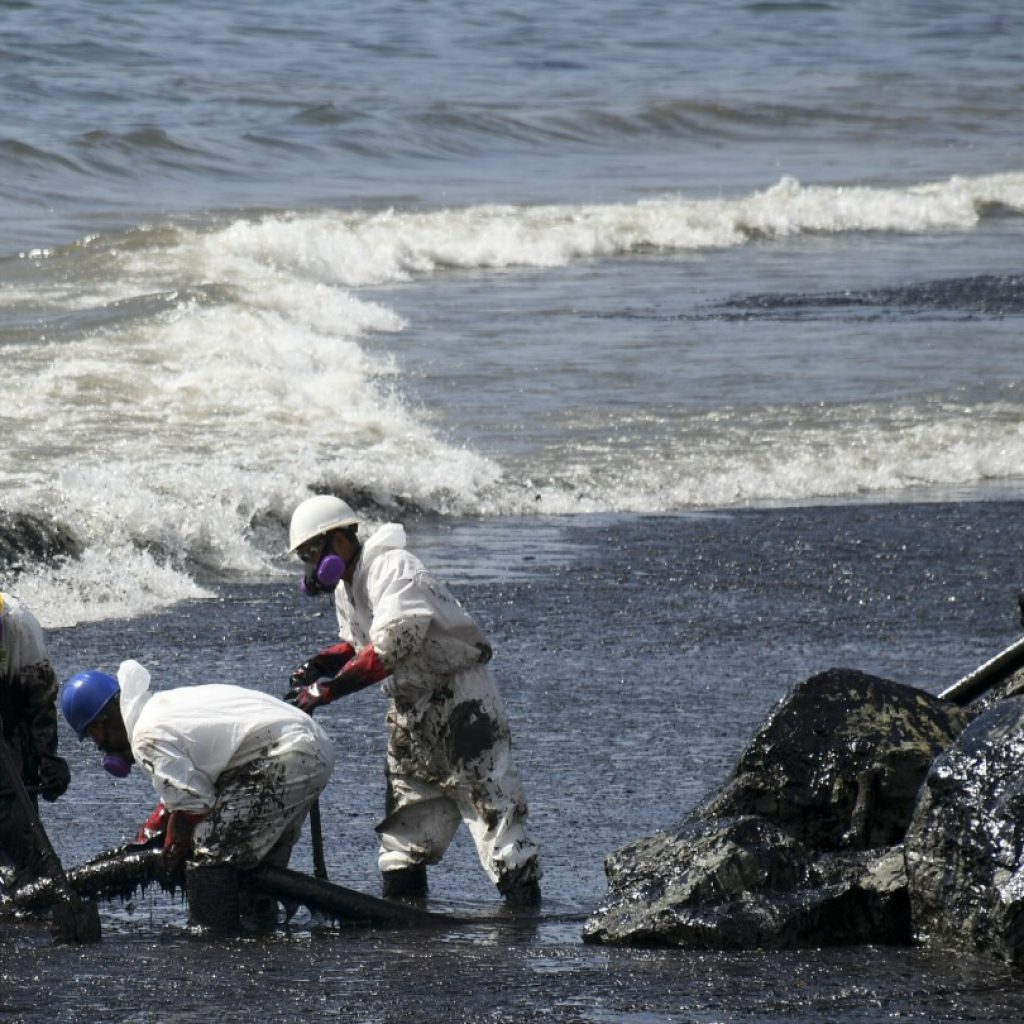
117, 765
328, 575
330, 570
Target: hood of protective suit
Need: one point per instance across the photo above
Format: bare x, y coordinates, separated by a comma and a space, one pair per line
135, 692
385, 538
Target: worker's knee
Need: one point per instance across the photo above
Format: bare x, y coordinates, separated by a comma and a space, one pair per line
418, 833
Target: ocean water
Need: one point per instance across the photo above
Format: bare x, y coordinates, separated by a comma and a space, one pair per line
502, 261
689, 330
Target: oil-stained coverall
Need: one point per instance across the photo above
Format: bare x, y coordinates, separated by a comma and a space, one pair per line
28, 692
449, 756
251, 764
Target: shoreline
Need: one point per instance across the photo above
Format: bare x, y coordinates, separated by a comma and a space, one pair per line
636, 659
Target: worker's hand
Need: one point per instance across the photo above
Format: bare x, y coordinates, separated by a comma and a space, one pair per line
154, 827
178, 842
54, 777
359, 672
307, 698
328, 662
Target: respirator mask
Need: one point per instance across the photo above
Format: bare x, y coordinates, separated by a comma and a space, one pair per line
117, 765
323, 573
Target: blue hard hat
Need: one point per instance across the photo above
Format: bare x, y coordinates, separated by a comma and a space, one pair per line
84, 696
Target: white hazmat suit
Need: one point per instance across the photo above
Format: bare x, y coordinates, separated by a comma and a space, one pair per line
250, 763
449, 755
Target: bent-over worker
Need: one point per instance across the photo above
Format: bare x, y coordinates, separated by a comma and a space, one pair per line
236, 770
449, 755
28, 720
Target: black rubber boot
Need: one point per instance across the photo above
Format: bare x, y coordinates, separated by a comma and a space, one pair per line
213, 897
409, 883
257, 911
521, 888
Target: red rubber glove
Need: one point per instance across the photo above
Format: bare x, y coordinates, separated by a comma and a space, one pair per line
155, 825
328, 662
178, 837
363, 670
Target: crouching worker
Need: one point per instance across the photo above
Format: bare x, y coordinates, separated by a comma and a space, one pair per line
237, 771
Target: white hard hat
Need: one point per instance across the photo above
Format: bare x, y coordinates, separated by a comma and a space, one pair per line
315, 516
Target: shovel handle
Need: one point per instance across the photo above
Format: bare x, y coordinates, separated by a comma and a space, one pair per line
984, 677
317, 837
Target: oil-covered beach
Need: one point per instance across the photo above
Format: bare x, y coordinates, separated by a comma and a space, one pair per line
684, 341
692, 626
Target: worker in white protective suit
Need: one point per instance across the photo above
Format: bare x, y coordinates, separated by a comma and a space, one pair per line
449, 756
235, 770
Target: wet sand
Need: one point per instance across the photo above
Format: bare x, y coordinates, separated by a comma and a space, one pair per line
636, 657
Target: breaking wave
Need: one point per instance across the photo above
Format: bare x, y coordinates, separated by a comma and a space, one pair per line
181, 388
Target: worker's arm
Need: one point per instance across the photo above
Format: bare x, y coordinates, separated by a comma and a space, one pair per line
360, 671
402, 598
38, 684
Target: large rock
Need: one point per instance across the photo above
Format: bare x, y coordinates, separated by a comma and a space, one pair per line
965, 847
29, 540
839, 762
745, 884
800, 847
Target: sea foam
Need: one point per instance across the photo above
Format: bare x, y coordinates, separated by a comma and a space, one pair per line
194, 384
